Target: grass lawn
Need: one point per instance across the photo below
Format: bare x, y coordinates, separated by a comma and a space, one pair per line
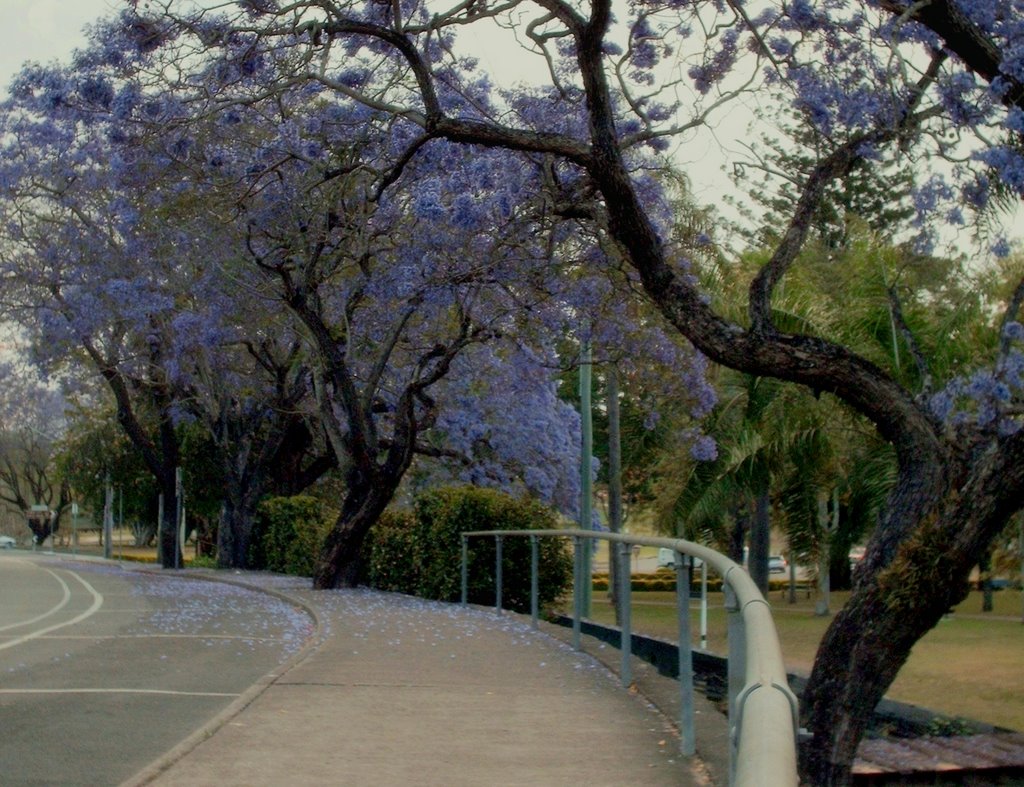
971, 665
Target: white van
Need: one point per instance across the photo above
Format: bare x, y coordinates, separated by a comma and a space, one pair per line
667, 559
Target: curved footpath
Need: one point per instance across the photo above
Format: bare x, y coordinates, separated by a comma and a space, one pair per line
396, 690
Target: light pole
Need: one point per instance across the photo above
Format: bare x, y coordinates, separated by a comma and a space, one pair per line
586, 483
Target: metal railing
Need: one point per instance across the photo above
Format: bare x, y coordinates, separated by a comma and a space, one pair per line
763, 712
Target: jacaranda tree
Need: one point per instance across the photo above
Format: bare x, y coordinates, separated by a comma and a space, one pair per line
941, 81
421, 306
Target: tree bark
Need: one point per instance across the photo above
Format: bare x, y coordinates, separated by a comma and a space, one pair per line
234, 533
985, 581
341, 560
892, 607
760, 540
170, 556
825, 531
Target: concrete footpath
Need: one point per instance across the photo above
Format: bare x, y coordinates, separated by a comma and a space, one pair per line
394, 690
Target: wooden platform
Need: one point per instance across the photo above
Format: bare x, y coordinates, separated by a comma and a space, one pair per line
964, 759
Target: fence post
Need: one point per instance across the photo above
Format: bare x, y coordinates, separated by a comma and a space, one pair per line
625, 579
736, 669
703, 605
534, 581
465, 570
687, 738
497, 573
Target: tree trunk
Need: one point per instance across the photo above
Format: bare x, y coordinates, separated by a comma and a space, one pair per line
738, 533
340, 564
985, 580
822, 606
760, 541
168, 535
234, 532
905, 595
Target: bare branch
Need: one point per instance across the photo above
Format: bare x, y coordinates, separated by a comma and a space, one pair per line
896, 311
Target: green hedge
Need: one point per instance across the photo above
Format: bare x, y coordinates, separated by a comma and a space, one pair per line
419, 552
642, 582
288, 534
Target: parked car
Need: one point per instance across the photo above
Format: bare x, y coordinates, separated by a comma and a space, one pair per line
777, 564
667, 559
6, 542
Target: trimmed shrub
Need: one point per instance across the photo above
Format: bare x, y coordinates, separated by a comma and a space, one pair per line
288, 534
420, 553
657, 582
389, 566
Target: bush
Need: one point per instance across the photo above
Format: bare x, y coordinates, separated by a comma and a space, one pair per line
389, 566
288, 534
659, 581
420, 553
201, 561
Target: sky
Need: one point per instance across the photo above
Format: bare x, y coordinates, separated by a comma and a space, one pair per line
43, 30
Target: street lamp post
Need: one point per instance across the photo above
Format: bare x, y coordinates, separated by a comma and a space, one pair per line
586, 482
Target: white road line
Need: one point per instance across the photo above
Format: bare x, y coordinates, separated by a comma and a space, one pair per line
60, 605
97, 602
165, 692
226, 637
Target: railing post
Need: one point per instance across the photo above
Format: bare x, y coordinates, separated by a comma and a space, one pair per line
736, 670
497, 573
625, 579
577, 590
756, 728
465, 570
687, 738
703, 605
534, 580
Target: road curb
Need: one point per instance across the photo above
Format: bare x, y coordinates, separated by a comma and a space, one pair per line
183, 748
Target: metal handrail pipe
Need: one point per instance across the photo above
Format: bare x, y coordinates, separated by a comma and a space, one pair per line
764, 718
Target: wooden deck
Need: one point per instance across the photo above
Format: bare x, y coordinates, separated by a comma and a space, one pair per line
964, 759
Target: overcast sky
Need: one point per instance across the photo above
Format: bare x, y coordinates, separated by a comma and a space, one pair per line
43, 30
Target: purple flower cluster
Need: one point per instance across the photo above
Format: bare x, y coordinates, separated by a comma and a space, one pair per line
718, 66
985, 398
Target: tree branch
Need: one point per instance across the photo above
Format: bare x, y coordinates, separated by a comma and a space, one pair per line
962, 37
896, 310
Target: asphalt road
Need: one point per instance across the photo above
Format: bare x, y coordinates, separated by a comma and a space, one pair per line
103, 668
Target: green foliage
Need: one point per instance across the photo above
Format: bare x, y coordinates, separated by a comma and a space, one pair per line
420, 552
666, 583
95, 448
389, 565
876, 192
943, 727
288, 534
203, 473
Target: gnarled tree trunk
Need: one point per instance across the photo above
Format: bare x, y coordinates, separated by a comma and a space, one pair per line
902, 591
341, 561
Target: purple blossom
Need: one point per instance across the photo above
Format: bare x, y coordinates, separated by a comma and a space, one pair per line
1008, 163
704, 449
1014, 331
1001, 247
801, 16
97, 91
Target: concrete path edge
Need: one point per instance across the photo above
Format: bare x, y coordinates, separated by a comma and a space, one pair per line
183, 748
